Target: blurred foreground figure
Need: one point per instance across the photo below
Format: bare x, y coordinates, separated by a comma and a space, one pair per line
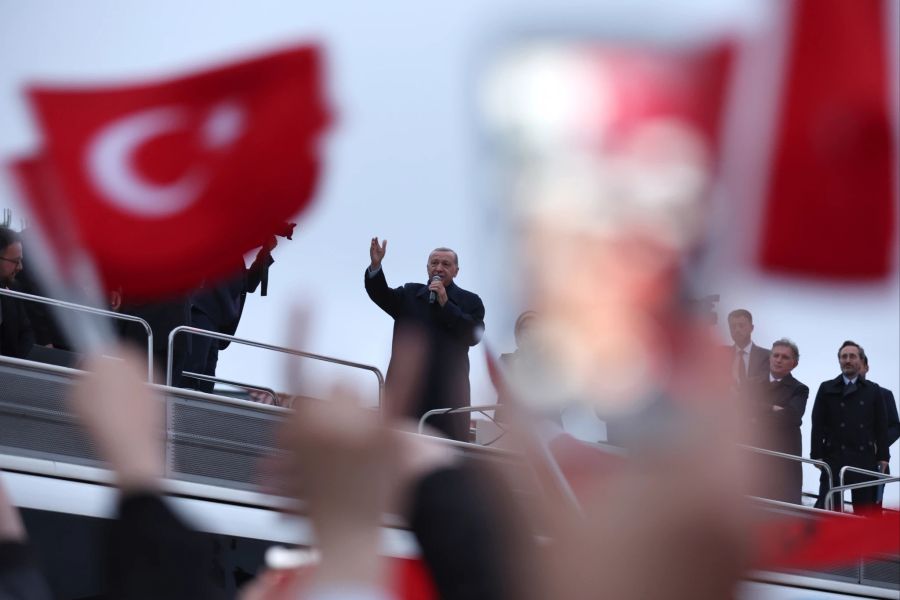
20, 578
607, 182
453, 320
849, 427
527, 354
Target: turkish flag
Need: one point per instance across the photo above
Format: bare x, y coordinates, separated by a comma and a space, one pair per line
831, 202
164, 184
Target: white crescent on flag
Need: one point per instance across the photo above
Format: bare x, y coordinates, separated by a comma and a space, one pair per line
109, 160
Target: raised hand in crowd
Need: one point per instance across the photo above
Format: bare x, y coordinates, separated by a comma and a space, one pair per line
124, 418
151, 553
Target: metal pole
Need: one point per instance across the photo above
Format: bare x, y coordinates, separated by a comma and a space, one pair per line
810, 461
230, 338
239, 384
866, 472
461, 409
94, 311
855, 486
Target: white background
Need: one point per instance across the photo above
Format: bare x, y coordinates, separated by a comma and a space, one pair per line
404, 161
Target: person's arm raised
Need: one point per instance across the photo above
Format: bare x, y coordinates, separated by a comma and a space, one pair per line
386, 298
151, 553
376, 254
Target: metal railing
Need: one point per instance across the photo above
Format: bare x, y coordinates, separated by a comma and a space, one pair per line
810, 461
264, 346
246, 386
483, 409
93, 311
877, 479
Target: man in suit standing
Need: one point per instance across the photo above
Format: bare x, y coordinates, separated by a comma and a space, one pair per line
781, 402
452, 320
749, 360
16, 334
849, 426
893, 420
218, 308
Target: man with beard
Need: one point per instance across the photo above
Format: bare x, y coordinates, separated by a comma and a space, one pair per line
849, 426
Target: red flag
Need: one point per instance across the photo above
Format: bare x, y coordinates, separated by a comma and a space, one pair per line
831, 206
166, 183
829, 540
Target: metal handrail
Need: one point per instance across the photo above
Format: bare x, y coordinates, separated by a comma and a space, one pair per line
230, 338
879, 479
246, 386
855, 486
810, 461
876, 474
461, 409
94, 311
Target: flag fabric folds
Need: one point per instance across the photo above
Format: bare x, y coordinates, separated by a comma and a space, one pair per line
164, 184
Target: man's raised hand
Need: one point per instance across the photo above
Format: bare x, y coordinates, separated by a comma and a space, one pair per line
376, 253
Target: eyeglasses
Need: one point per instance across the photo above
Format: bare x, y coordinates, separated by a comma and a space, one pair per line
15, 261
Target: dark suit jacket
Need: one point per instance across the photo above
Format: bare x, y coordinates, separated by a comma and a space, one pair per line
758, 365
224, 303
781, 428
47, 329
16, 334
450, 331
893, 419
849, 428
759, 361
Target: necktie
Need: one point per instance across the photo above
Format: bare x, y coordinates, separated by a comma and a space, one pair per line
741, 365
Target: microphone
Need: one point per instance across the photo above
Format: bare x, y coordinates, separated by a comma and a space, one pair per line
432, 296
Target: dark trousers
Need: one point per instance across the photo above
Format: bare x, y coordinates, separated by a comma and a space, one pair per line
204, 355
862, 498
879, 491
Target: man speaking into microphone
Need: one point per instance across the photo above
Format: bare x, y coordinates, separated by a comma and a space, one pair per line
452, 320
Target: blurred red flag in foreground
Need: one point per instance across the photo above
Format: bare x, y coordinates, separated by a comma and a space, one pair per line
164, 184
834, 166
831, 539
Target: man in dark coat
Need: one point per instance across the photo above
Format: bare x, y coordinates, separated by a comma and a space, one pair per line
893, 420
452, 319
47, 329
219, 308
16, 334
849, 427
781, 402
748, 359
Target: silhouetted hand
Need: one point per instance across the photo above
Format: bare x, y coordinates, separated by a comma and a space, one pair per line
124, 417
